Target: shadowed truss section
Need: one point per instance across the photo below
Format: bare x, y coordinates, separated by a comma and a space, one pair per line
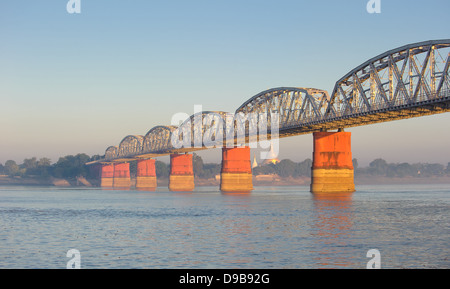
158, 139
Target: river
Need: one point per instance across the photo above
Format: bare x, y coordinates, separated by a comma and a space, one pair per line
271, 228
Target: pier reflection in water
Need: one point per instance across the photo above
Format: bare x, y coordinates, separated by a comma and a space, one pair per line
332, 224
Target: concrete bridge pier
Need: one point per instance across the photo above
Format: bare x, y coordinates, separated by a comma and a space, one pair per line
332, 169
122, 178
107, 175
146, 175
236, 173
181, 178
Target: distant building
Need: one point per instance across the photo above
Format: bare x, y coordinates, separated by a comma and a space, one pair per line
272, 157
255, 164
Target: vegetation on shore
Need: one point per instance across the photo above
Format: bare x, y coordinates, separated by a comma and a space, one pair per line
66, 167
378, 167
73, 166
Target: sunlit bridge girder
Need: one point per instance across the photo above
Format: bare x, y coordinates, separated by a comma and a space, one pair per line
411, 76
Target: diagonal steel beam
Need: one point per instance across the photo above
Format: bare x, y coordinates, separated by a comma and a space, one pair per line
361, 91
444, 75
380, 86
347, 104
399, 77
421, 81
312, 101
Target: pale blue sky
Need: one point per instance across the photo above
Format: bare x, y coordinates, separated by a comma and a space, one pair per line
73, 83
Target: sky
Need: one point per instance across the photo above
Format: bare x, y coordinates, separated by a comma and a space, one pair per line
81, 82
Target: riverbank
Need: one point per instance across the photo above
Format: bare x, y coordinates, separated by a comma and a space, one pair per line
36, 181
376, 180
257, 181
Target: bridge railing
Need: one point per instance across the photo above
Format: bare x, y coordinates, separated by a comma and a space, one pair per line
421, 98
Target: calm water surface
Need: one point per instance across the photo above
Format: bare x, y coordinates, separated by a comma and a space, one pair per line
273, 227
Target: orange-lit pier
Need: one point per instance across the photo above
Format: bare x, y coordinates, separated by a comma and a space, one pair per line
332, 169
236, 173
107, 175
181, 177
146, 175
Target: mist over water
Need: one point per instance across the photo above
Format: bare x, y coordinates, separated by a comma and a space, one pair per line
273, 227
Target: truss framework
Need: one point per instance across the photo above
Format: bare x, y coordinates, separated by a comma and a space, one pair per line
410, 81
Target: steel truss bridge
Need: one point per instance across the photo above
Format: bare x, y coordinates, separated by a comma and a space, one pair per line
409, 81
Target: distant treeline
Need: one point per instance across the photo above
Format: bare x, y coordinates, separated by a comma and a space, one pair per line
378, 167
70, 167
66, 167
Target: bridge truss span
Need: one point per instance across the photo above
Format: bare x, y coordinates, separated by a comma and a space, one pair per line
201, 130
131, 145
111, 153
158, 140
293, 106
409, 81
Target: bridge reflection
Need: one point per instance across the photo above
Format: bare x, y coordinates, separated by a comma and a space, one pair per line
332, 227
